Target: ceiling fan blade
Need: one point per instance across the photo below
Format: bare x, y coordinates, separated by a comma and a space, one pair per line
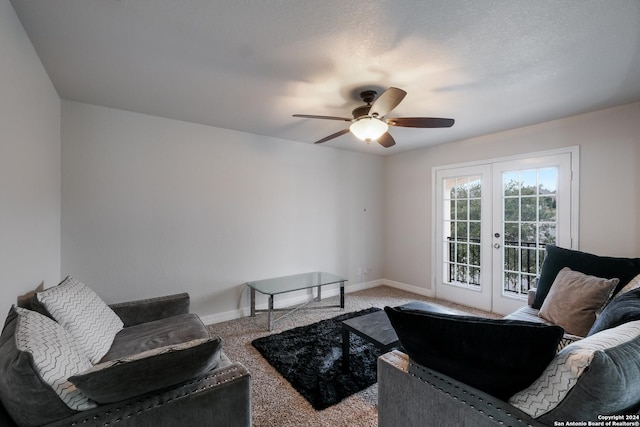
310, 116
333, 135
386, 102
421, 122
386, 140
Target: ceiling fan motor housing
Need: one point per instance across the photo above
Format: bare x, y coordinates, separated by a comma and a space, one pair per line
368, 95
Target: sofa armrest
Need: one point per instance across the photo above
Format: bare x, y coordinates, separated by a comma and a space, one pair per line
220, 398
147, 310
412, 395
5, 419
531, 296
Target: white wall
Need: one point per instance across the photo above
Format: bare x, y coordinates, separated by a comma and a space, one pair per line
609, 143
29, 166
154, 206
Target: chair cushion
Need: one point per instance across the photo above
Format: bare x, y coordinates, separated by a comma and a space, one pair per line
474, 350
90, 321
557, 258
574, 300
622, 309
148, 371
37, 355
166, 332
591, 377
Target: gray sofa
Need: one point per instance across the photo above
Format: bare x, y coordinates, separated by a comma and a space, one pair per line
410, 394
592, 377
205, 389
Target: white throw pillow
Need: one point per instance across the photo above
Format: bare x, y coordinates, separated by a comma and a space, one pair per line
92, 323
55, 356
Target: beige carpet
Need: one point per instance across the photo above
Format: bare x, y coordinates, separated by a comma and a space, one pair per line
274, 401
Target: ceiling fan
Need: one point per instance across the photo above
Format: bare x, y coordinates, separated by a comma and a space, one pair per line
368, 122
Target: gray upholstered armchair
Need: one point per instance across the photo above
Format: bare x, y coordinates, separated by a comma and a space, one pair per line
143, 364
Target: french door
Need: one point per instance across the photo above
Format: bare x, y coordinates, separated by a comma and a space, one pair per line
463, 233
492, 223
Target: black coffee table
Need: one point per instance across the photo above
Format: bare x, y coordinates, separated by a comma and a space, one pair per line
376, 328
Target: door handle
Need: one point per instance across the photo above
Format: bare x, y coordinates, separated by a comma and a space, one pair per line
496, 245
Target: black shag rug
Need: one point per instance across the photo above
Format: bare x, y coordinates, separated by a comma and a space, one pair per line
310, 358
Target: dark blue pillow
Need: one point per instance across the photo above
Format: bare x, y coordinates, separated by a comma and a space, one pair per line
497, 356
622, 309
557, 258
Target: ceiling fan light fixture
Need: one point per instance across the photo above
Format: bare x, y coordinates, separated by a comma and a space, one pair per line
368, 128
368, 123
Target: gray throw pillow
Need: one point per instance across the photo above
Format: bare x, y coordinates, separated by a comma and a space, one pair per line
574, 300
622, 309
149, 371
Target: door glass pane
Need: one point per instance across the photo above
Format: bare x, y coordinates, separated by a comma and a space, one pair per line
511, 209
528, 208
547, 208
461, 188
528, 235
529, 223
528, 183
450, 184
475, 189
511, 233
462, 230
548, 180
461, 209
474, 275
475, 205
510, 183
474, 232
547, 234
474, 255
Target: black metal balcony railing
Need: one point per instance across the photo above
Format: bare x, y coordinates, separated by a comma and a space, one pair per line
519, 260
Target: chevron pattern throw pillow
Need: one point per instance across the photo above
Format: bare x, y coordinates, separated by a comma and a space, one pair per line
55, 356
569, 365
91, 322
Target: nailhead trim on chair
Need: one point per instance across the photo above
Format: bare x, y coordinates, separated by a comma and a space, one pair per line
232, 369
463, 391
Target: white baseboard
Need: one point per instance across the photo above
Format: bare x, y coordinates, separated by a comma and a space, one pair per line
211, 319
284, 301
409, 288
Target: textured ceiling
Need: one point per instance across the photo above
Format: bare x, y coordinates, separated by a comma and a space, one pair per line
248, 65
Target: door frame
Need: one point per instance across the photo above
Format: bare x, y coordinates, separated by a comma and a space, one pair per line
574, 196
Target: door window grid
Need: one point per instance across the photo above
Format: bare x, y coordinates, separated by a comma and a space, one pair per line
530, 222
462, 230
